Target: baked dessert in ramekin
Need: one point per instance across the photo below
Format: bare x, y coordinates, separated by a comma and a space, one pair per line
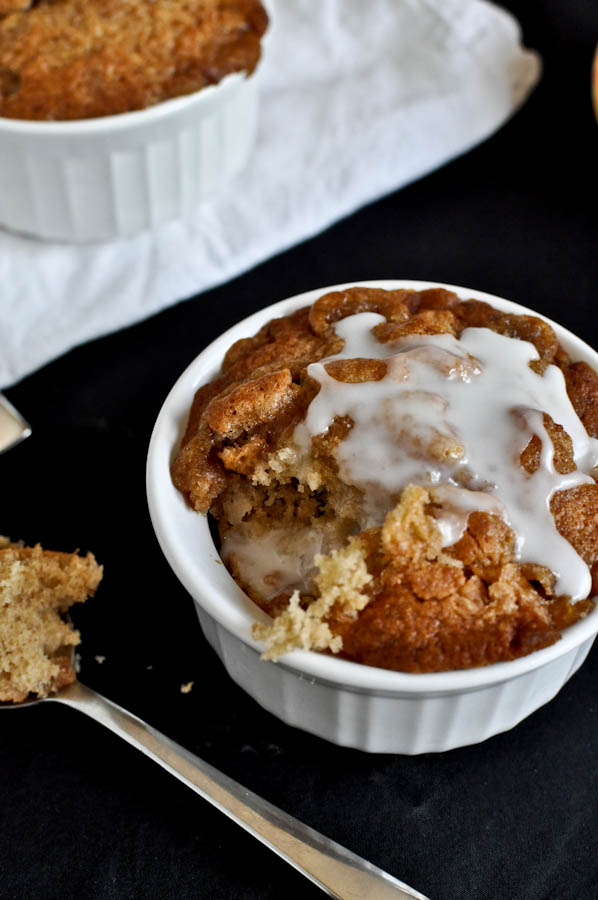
118, 115
439, 576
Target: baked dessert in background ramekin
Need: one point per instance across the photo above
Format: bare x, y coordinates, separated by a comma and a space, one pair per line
336, 697
118, 115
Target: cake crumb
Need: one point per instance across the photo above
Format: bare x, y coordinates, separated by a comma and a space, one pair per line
100, 659
186, 688
342, 576
36, 643
408, 531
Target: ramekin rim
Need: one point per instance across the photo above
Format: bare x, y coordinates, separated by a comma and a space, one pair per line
116, 121
311, 665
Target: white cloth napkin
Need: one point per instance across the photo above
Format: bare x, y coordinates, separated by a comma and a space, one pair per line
359, 97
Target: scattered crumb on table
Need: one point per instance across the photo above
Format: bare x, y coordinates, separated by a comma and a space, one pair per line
186, 688
100, 659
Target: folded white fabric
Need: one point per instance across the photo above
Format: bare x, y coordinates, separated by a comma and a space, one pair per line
358, 99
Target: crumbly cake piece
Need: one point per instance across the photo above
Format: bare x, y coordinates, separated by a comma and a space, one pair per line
36, 587
386, 595
342, 577
76, 59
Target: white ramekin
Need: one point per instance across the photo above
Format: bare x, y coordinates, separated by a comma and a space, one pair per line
115, 176
347, 703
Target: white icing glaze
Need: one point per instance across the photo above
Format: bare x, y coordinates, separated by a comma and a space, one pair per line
456, 413
280, 560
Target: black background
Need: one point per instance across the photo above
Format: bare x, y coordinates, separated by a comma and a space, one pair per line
84, 816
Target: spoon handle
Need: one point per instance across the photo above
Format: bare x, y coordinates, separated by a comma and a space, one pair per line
333, 868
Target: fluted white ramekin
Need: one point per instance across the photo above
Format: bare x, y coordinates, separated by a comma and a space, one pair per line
115, 176
347, 703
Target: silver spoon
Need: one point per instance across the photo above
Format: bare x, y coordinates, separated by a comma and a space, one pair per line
13, 427
336, 870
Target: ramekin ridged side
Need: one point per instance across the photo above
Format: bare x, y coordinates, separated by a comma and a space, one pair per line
111, 177
371, 709
389, 722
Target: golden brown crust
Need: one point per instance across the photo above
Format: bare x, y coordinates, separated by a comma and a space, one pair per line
426, 321
426, 609
199, 468
575, 512
250, 403
582, 387
336, 305
76, 59
563, 449
356, 371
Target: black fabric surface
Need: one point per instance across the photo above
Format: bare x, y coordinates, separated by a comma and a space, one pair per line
82, 815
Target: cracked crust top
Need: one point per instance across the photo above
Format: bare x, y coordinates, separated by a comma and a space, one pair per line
78, 59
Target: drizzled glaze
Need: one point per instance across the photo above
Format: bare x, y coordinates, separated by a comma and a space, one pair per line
454, 415
276, 561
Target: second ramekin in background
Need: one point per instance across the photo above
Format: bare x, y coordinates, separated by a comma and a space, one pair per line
115, 176
347, 703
